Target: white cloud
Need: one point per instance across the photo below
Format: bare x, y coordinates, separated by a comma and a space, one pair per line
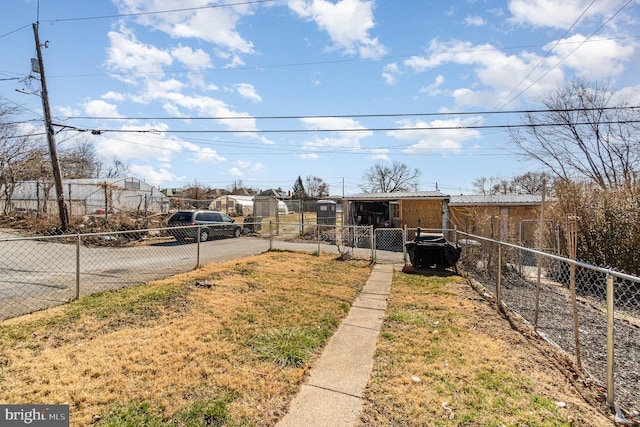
390, 73
194, 59
216, 25
113, 96
100, 108
334, 123
248, 91
380, 154
132, 58
474, 21
434, 88
153, 175
630, 95
234, 171
344, 138
348, 23
431, 137
597, 58
496, 73
206, 155
148, 146
559, 14
242, 166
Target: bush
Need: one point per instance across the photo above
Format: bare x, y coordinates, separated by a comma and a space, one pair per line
608, 224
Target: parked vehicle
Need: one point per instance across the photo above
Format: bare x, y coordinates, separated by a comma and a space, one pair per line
203, 225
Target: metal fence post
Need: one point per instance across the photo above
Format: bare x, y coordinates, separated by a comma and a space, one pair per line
77, 296
270, 235
372, 238
572, 237
198, 247
499, 282
610, 320
318, 237
404, 244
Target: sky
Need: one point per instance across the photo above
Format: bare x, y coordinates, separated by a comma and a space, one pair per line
217, 92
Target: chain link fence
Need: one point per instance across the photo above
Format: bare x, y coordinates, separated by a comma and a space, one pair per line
591, 313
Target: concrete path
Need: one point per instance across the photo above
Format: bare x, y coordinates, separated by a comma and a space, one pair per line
333, 392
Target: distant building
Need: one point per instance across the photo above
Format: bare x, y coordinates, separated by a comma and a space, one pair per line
233, 205
88, 196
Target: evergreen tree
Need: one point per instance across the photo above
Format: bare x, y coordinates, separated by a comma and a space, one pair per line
298, 191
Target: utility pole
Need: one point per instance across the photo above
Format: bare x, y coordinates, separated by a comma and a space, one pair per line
53, 152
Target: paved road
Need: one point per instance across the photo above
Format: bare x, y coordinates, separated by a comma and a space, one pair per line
37, 273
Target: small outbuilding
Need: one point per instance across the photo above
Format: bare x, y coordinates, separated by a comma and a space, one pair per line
326, 212
233, 205
89, 196
425, 209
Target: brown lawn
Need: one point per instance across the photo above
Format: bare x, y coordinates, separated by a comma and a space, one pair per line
231, 343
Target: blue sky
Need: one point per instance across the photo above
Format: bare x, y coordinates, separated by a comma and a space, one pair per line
214, 92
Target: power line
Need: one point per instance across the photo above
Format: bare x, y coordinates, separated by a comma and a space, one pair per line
355, 116
572, 52
341, 130
157, 12
14, 31
503, 103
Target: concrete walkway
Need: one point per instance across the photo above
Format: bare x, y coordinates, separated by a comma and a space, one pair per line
333, 392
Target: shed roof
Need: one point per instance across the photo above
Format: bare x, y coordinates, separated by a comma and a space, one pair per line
397, 195
495, 199
237, 197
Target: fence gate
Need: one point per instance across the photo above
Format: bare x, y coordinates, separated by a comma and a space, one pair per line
389, 245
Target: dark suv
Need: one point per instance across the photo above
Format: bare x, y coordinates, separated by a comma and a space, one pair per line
211, 223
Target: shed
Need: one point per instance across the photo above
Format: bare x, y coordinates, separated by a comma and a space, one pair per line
425, 209
507, 217
233, 205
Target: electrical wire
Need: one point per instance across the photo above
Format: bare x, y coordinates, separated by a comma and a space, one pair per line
340, 130
571, 53
355, 116
504, 103
158, 12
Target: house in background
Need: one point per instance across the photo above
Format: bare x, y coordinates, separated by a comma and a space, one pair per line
509, 217
89, 196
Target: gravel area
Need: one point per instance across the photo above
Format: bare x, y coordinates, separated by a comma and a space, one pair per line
554, 322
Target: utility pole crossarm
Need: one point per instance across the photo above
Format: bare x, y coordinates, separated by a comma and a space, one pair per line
53, 152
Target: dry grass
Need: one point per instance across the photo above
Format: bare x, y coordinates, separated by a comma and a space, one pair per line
235, 351
445, 358
172, 353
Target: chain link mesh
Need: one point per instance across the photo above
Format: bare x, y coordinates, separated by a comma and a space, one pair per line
548, 307
40, 272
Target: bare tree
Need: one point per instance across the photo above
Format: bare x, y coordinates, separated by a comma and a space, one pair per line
16, 145
80, 161
116, 169
316, 188
584, 135
382, 178
528, 183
